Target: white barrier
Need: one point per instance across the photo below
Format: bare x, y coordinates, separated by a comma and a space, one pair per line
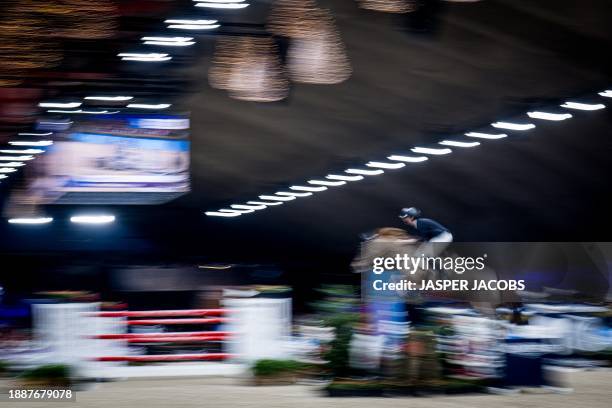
96, 343
262, 327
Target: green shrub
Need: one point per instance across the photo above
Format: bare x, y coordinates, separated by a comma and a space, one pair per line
51, 372
270, 367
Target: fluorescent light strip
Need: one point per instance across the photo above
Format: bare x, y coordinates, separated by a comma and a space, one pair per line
606, 94
170, 43
583, 106
109, 98
326, 183
221, 214
276, 198
194, 26
149, 106
513, 126
40, 220
383, 165
364, 172
266, 203
431, 150
104, 112
292, 194
92, 219
35, 134
39, 143
48, 122
168, 39
2, 176
17, 158
233, 6
455, 143
487, 136
248, 207
309, 189
229, 211
66, 105
344, 178
146, 59
549, 116
12, 164
7, 170
26, 151
198, 22
408, 159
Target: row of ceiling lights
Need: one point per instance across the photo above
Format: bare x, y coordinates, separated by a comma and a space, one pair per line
13, 159
397, 161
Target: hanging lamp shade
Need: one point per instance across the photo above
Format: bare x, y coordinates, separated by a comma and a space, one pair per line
317, 55
389, 6
248, 68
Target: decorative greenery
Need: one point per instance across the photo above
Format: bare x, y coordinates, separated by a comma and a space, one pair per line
338, 354
270, 367
4, 367
52, 373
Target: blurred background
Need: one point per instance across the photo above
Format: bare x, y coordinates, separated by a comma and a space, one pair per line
155, 154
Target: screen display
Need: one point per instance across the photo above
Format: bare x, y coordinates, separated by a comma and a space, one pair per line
128, 159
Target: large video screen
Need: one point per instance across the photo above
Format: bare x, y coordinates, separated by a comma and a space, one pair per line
129, 159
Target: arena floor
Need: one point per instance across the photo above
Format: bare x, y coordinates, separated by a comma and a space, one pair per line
591, 389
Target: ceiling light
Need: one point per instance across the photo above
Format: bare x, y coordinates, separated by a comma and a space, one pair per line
364, 172
59, 104
170, 43
38, 143
198, 22
221, 214
408, 159
248, 207
459, 144
513, 126
431, 150
266, 203
486, 135
193, 26
326, 183
17, 158
24, 151
383, 165
223, 5
583, 106
549, 116
40, 220
292, 194
7, 170
276, 198
149, 106
92, 219
306, 188
109, 98
35, 134
229, 211
344, 178
12, 164
144, 57
606, 94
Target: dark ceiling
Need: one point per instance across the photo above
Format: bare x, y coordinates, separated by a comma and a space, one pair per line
476, 63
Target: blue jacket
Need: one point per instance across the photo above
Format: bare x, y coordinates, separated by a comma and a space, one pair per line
427, 229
